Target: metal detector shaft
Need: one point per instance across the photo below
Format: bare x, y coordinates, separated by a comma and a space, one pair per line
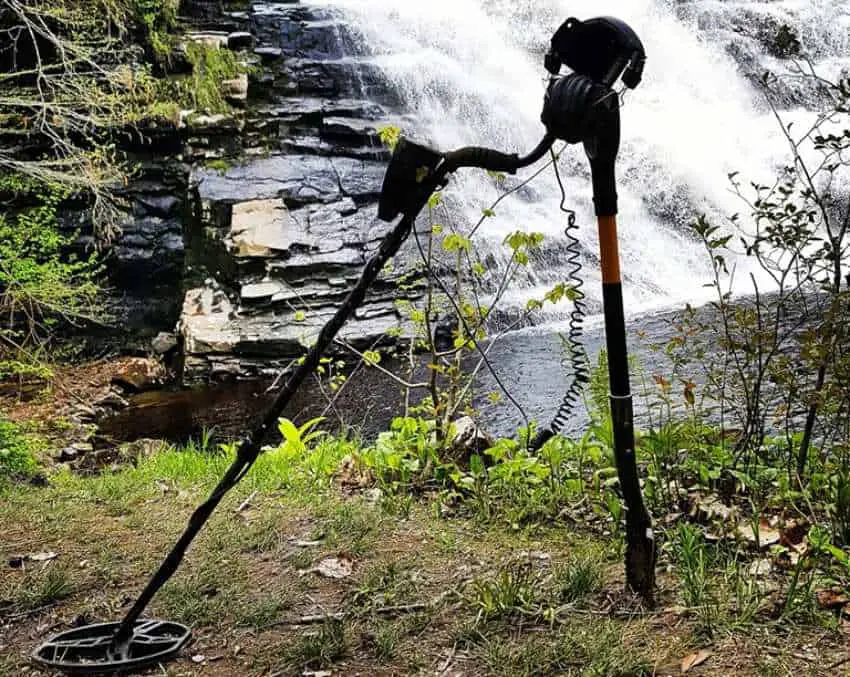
640, 544
250, 447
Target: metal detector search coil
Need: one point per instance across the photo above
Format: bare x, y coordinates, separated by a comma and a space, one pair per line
87, 650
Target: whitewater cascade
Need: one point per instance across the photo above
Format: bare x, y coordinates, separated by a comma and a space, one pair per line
470, 72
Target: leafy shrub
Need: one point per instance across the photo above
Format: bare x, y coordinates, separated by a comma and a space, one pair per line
43, 287
16, 452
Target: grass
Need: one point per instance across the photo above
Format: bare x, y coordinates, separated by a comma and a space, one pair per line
19, 451
320, 648
576, 649
578, 577
433, 583
41, 588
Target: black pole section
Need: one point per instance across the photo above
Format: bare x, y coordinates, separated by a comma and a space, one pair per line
404, 176
640, 544
249, 449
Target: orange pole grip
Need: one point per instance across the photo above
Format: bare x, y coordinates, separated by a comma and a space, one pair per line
609, 249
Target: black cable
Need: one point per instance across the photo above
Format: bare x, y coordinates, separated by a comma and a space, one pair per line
576, 358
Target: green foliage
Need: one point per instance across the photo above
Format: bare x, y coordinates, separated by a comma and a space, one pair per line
404, 453
17, 452
579, 576
43, 587
782, 352
578, 649
210, 67
321, 649
157, 18
44, 286
297, 438
390, 136
690, 553
512, 591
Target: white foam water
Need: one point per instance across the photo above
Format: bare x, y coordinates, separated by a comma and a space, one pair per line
470, 72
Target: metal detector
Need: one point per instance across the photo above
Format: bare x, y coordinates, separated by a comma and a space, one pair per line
578, 107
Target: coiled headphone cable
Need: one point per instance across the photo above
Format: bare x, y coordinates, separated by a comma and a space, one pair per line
576, 356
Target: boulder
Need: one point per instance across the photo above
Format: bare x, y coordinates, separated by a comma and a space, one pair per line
164, 342
468, 439
139, 374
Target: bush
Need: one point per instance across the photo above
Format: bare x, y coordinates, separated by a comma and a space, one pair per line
43, 287
16, 452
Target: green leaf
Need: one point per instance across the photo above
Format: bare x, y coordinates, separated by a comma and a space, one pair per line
455, 242
390, 136
372, 357
290, 433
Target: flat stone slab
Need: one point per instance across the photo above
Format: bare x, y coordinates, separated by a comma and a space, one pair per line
299, 178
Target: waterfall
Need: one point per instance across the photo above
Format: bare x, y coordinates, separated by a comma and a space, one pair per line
470, 72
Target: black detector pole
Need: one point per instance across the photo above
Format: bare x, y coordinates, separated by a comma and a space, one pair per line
640, 545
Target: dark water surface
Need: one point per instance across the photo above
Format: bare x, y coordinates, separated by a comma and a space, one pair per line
527, 362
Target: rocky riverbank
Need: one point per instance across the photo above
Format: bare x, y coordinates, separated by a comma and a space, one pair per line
246, 230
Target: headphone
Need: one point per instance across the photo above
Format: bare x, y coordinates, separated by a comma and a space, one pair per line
604, 49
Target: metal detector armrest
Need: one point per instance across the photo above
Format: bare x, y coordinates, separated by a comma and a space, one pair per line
416, 171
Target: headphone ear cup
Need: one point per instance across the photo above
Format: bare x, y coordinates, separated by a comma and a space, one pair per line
633, 75
568, 109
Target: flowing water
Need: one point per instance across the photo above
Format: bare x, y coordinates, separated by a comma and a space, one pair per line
470, 72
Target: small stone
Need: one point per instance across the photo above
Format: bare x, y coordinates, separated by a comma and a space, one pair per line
260, 290
68, 454
85, 413
164, 342
212, 39
159, 205
240, 40
132, 452
268, 52
139, 374
113, 400
235, 89
469, 439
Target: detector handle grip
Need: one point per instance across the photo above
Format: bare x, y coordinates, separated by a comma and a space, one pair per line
492, 160
483, 158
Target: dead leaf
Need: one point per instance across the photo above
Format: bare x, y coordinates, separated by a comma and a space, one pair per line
43, 556
831, 599
767, 535
710, 508
760, 567
332, 567
694, 659
18, 562
794, 533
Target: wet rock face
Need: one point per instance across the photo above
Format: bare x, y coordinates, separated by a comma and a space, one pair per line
144, 262
768, 37
295, 216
